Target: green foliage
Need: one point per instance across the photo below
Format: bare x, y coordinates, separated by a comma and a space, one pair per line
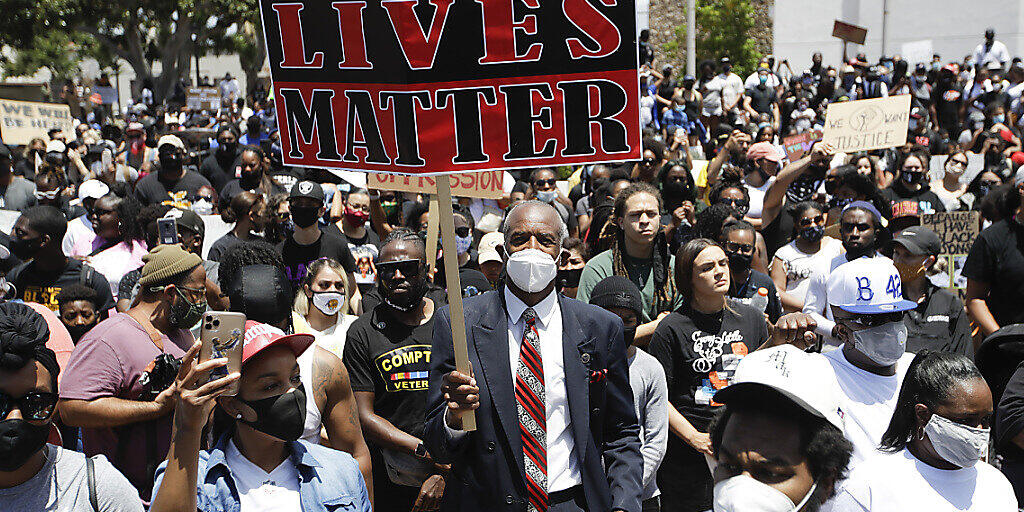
59, 33
724, 28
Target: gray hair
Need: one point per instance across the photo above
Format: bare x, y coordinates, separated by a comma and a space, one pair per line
563, 230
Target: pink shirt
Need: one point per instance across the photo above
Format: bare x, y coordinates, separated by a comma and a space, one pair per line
117, 261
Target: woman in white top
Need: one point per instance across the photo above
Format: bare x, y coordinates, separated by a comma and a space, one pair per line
931, 453
808, 255
949, 188
321, 305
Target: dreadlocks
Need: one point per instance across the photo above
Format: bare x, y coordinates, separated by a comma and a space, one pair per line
664, 288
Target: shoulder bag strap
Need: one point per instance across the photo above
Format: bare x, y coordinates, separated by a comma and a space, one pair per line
90, 472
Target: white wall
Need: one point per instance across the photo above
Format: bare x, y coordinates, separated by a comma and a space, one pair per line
955, 27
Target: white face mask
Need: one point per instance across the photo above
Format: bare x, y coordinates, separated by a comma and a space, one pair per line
329, 303
531, 269
960, 445
547, 196
742, 493
884, 344
202, 207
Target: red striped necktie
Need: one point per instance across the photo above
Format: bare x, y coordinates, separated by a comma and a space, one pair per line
532, 419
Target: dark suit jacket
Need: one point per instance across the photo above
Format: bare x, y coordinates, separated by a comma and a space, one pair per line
487, 464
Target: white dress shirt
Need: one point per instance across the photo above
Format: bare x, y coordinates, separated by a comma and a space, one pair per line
563, 467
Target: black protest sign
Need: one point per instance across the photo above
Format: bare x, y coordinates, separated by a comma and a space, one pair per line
438, 86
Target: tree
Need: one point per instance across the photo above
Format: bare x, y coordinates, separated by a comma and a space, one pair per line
724, 29
138, 31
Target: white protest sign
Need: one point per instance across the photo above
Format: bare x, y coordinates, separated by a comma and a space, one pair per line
917, 51
21, 121
863, 125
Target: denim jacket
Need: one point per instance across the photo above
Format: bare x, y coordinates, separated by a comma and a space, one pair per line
329, 480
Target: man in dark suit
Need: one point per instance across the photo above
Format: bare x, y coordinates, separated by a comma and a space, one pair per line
556, 429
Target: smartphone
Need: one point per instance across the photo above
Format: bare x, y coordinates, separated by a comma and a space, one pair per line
221, 335
167, 228
107, 158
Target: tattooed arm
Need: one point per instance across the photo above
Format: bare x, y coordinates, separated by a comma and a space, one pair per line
340, 416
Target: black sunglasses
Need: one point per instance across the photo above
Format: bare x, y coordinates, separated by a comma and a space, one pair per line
877, 319
736, 203
543, 183
408, 268
807, 221
34, 406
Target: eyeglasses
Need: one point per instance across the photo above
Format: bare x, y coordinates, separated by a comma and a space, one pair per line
990, 184
408, 268
807, 221
876, 319
34, 406
544, 183
740, 248
462, 231
47, 195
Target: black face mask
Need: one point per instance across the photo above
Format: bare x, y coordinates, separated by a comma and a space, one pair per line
78, 330
282, 416
405, 303
170, 162
227, 147
676, 190
812, 233
739, 262
25, 250
304, 217
569, 278
19, 440
628, 335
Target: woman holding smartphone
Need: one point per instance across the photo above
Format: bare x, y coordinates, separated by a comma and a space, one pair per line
257, 462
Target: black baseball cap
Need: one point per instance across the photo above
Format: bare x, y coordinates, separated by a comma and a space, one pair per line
308, 189
919, 240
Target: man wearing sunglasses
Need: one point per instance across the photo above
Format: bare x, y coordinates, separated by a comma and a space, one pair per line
860, 227
542, 181
866, 299
387, 354
35, 475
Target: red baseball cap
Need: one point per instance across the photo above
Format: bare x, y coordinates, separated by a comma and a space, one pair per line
1017, 158
259, 337
763, 150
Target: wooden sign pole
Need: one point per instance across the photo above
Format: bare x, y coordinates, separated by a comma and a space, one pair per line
443, 199
432, 227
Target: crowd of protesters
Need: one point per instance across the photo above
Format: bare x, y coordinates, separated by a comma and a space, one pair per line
790, 339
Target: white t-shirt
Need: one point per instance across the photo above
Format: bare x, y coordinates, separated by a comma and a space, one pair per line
754, 80
899, 482
646, 112
866, 402
801, 267
997, 53
732, 89
258, 491
757, 197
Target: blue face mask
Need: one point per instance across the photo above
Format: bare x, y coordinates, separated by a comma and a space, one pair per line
999, 118
763, 79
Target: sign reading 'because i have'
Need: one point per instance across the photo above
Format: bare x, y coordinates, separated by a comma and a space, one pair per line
440, 86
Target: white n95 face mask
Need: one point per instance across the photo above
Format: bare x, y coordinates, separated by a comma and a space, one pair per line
960, 445
531, 269
884, 344
329, 303
742, 493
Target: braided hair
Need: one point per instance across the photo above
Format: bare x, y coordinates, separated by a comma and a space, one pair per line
664, 287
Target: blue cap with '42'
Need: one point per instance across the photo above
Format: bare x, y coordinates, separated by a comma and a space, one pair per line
867, 286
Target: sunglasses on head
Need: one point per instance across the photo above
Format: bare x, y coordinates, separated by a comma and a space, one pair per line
807, 221
34, 406
408, 268
877, 319
46, 195
545, 183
